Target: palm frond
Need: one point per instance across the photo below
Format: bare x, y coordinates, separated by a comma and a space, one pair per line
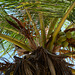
42, 27
19, 43
60, 24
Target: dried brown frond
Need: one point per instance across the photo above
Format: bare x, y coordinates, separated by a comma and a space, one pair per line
13, 24
71, 29
24, 31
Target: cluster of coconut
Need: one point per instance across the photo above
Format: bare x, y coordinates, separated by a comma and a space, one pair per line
63, 38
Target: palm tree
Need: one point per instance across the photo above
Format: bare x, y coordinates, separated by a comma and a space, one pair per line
38, 35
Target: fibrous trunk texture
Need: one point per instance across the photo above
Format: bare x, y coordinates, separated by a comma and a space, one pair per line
41, 62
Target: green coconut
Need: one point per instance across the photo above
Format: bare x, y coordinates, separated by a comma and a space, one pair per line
62, 38
65, 44
68, 34
59, 42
